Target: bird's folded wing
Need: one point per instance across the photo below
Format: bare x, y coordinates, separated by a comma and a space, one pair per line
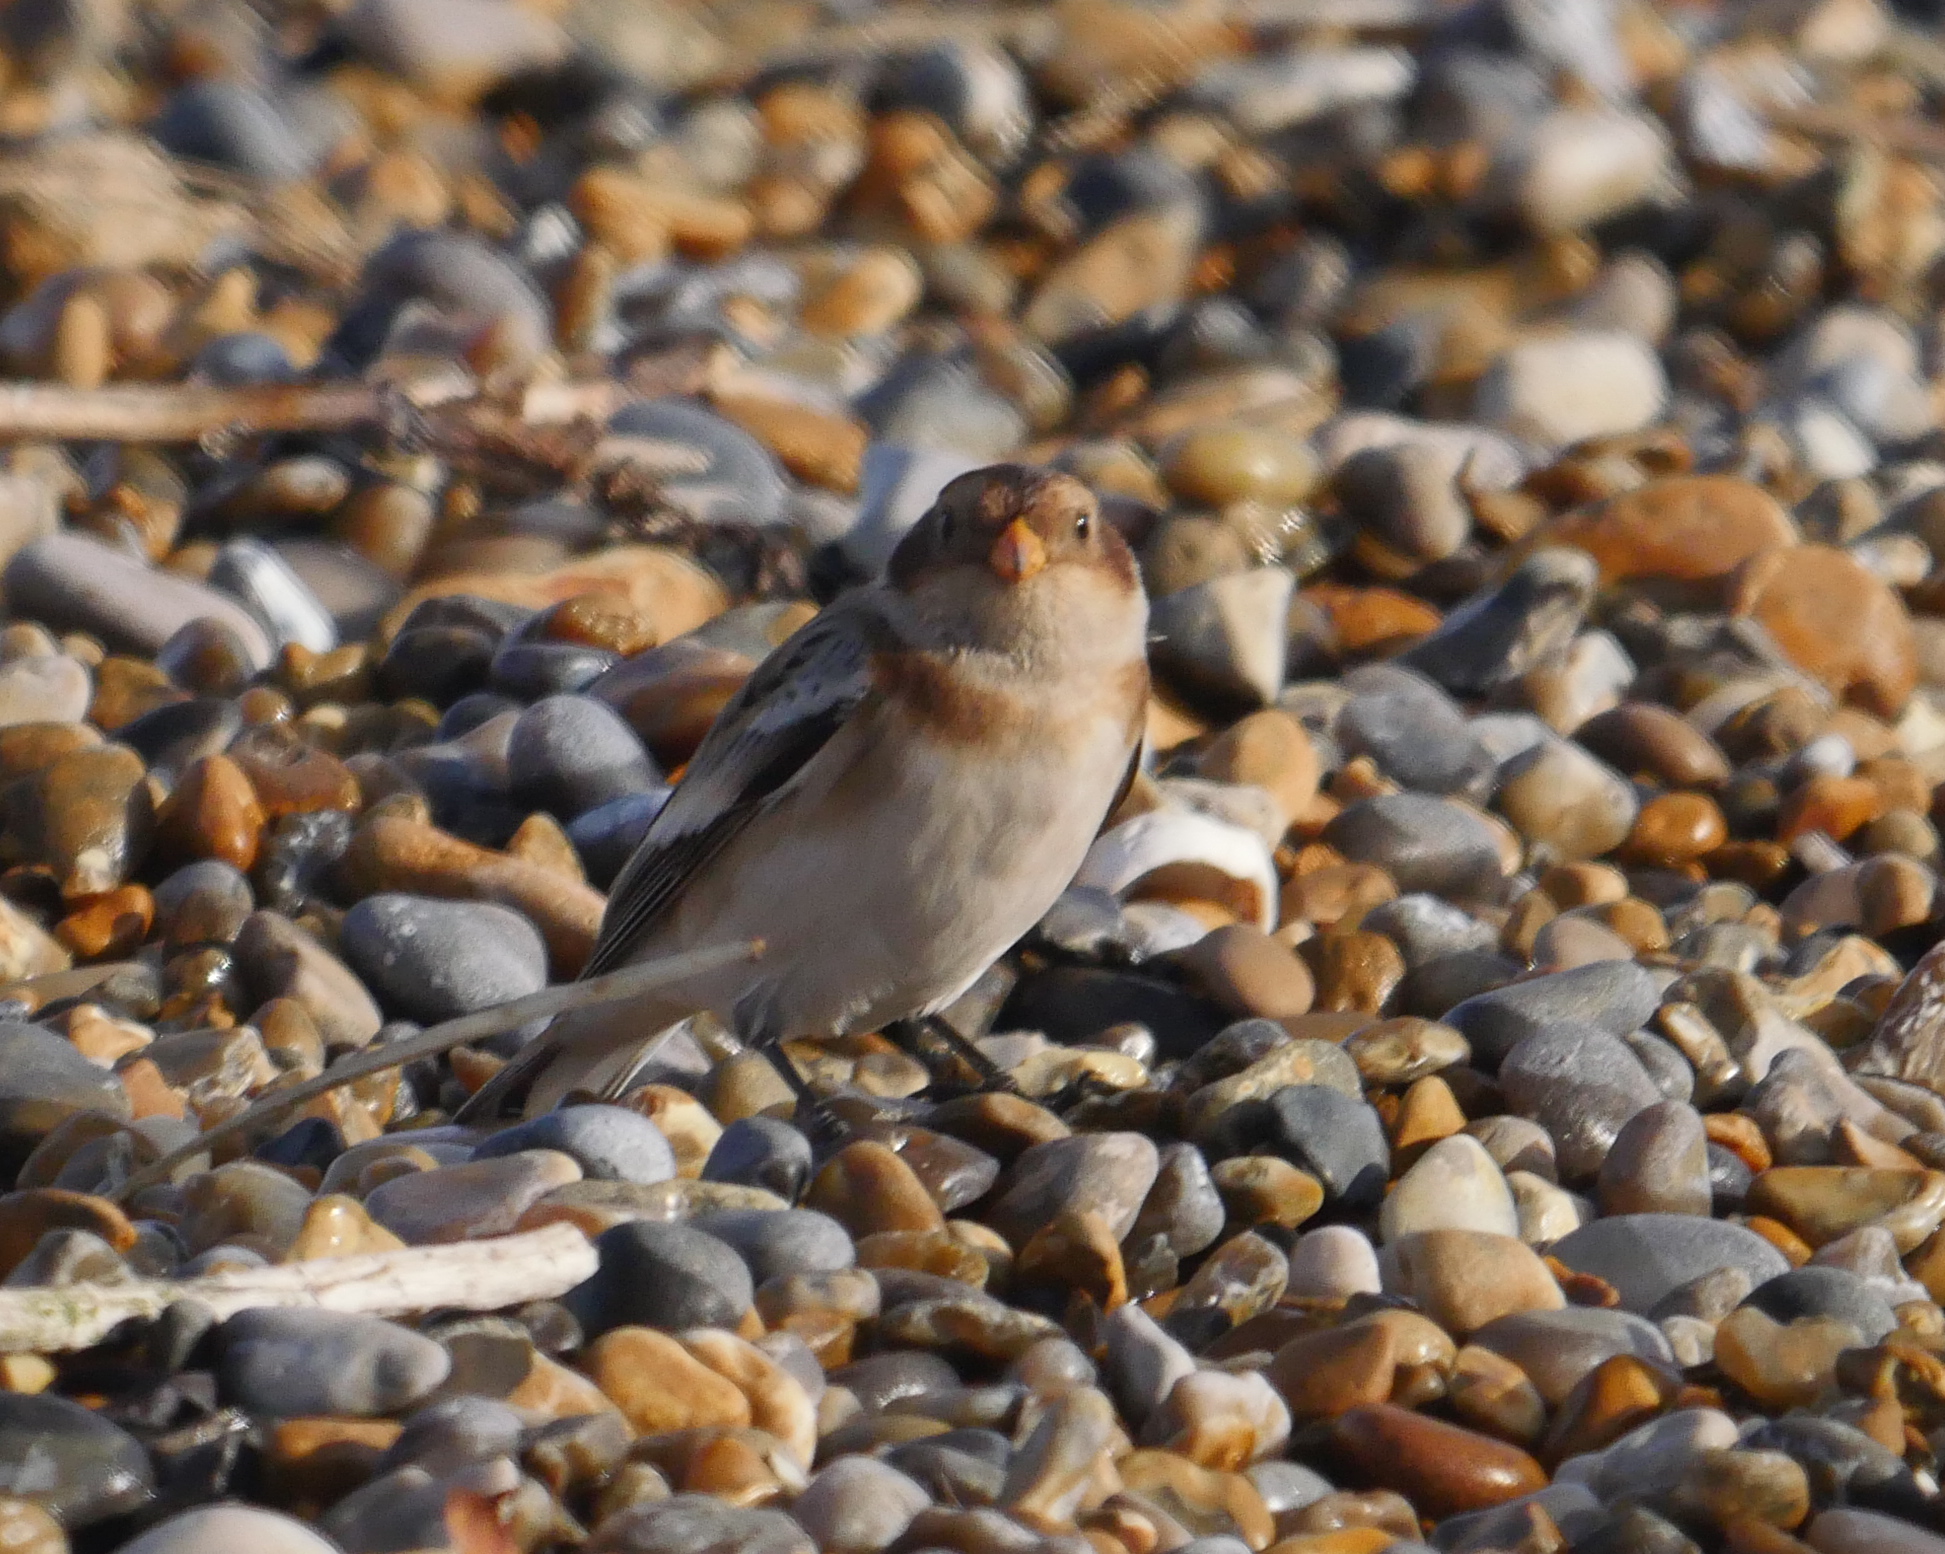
782, 716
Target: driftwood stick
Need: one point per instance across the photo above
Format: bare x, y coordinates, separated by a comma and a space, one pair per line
184, 413
469, 1276
616, 985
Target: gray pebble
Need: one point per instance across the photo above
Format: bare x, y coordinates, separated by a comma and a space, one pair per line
1645, 1256
611, 1143
433, 960
285, 1362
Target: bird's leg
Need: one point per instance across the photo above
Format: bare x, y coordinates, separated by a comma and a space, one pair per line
913, 1035
826, 1131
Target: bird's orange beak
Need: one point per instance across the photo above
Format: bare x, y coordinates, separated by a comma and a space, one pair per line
1017, 554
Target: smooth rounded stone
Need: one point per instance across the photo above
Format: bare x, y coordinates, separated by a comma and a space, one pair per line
1183, 1206
667, 1276
1144, 1362
1642, 736
932, 401
73, 582
273, 592
1424, 843
1108, 1174
691, 1524
460, 1202
434, 960
1659, 1164
277, 959
1224, 640
1333, 1262
1502, 632
1666, 1066
761, 1152
606, 837
1455, 1185
858, 1505
69, 1461
1646, 1256
609, 1143
1611, 996
1580, 166
880, 1380
229, 1529
202, 903
739, 482
1339, 1141
446, 1436
1417, 736
1837, 622
1866, 362
1846, 1464
1652, 1458
1564, 388
1442, 1469
1582, 1086
1558, 1348
44, 1080
88, 818
571, 754
1566, 804
285, 1362
1464, 1279
1825, 1292
1425, 927
1405, 1050
779, 1241
47, 688
1846, 1531
1405, 497
173, 737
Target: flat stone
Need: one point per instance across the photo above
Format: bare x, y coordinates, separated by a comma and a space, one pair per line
229, 1529
294, 1361
70, 1461
1646, 1256
609, 1143
1614, 997
671, 1277
1582, 1086
1464, 1279
1455, 1185
436, 960
1106, 1173
461, 1202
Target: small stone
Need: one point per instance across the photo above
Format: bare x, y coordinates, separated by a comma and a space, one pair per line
571, 754
671, 1277
1224, 639
1333, 1262
43, 1082
609, 1143
436, 960
857, 1505
659, 1386
460, 1202
1454, 1186
1442, 1469
1500, 634
1107, 1173
1424, 843
1464, 1279
286, 1362
1659, 1163
1646, 1256
1781, 1366
229, 1529
1582, 1086
1545, 387
1837, 622
868, 1189
277, 959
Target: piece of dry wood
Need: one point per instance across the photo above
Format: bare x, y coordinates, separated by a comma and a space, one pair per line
448, 402
616, 985
467, 1276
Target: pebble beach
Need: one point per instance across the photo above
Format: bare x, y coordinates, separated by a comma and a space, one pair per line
1484, 1092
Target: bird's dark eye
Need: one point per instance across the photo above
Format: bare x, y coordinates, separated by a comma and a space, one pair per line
1083, 526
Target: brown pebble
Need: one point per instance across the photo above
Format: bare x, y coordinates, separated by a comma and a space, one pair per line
866, 1188
213, 813
1442, 1469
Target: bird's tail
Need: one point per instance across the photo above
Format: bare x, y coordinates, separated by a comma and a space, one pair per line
594, 1049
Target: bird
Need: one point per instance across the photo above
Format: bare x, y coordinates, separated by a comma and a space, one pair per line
894, 797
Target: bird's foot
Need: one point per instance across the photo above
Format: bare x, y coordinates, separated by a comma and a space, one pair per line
939, 1047
815, 1118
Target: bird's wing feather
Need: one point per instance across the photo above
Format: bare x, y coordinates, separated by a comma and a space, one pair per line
786, 712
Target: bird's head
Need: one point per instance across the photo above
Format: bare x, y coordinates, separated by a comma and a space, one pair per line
1010, 528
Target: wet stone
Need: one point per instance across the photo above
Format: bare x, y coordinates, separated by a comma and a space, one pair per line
321, 1362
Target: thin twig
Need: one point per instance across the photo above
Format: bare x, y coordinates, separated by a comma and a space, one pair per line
616, 985
186, 413
484, 1275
